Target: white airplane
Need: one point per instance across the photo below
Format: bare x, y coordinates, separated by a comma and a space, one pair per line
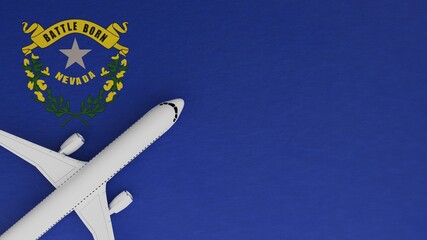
80, 186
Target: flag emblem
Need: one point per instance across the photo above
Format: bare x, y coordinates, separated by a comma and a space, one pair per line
73, 71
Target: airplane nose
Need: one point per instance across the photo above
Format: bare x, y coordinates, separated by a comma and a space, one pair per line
179, 103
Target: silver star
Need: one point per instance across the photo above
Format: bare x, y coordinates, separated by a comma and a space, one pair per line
75, 55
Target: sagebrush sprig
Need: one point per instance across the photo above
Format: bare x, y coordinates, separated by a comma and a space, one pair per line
60, 106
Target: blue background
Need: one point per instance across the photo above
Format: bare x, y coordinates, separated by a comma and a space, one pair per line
303, 119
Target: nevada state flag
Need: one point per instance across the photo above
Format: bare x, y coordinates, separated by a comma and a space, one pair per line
303, 120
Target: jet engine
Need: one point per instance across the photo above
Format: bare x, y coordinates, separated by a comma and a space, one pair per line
72, 144
122, 201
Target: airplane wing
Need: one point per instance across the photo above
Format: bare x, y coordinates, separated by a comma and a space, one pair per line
95, 214
57, 168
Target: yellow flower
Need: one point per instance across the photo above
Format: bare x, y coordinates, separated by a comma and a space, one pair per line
115, 57
120, 74
42, 85
46, 71
26, 62
30, 85
108, 85
29, 73
39, 96
124, 62
119, 86
110, 97
34, 56
104, 72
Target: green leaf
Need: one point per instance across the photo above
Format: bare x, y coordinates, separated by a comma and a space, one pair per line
111, 65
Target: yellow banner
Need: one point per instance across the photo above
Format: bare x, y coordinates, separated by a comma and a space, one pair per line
107, 37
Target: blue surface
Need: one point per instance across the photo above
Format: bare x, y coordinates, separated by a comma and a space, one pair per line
303, 119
